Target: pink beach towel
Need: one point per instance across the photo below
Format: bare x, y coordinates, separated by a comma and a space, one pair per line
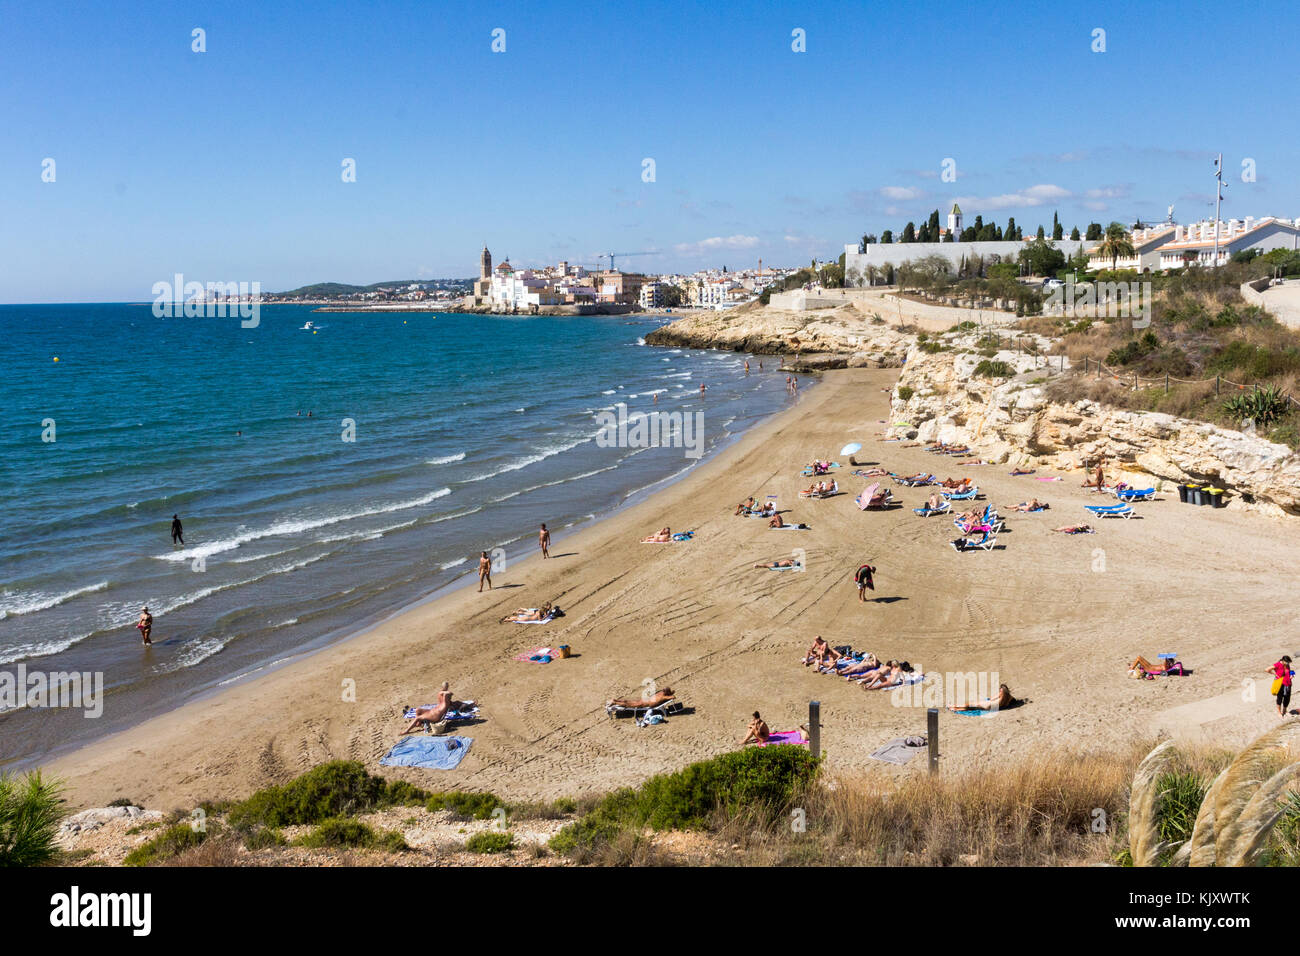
1046, 479
785, 737
538, 652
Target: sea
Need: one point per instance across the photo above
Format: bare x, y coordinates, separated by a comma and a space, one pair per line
329, 470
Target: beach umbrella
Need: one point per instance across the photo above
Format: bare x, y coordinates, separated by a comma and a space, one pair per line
852, 448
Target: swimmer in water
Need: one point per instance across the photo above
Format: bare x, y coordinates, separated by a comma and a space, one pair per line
177, 536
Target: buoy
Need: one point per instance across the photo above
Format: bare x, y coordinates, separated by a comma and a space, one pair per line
56, 358
313, 331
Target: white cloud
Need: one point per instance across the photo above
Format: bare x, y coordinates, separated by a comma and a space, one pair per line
1033, 196
901, 192
715, 243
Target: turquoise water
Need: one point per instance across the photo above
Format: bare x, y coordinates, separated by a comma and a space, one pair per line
468, 432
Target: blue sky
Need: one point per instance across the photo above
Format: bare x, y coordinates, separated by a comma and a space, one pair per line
225, 165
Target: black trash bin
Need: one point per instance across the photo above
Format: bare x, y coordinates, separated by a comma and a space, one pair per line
1182, 493
1193, 494
1216, 497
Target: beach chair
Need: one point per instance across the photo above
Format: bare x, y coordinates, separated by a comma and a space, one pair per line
961, 495
1111, 511
984, 543
1135, 494
925, 512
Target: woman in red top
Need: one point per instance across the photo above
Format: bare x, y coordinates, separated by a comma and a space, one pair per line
1282, 671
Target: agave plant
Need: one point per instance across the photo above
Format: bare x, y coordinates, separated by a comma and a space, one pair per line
1237, 814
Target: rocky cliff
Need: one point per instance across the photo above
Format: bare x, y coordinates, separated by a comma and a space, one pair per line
824, 338
1013, 420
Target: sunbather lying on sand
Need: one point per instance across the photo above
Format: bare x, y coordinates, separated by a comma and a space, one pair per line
782, 563
820, 488
1001, 702
758, 731
525, 614
821, 653
654, 700
888, 676
1144, 668
867, 665
1016, 472
779, 522
745, 506
871, 473
973, 461
1076, 529
664, 535
1034, 505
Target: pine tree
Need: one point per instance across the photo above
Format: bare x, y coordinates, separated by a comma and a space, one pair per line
909, 232
1074, 233
1043, 235
1094, 231
1011, 229
887, 236
1057, 229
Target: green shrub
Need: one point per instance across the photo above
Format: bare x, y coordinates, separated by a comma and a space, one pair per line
171, 842
988, 368
931, 348
1262, 406
565, 805
338, 789
1182, 793
490, 841
761, 782
479, 806
336, 832
1134, 349
905, 393
30, 810
123, 802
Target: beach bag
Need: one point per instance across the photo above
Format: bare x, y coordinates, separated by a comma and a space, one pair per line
1277, 686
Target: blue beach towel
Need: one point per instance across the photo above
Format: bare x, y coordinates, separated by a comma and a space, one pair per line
433, 753
975, 712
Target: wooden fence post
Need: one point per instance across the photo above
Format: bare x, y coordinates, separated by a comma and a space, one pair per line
815, 727
1216, 385
1166, 383
932, 737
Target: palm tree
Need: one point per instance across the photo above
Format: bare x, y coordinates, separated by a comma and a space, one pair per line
1116, 243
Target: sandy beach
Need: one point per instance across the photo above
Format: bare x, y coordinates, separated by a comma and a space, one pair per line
1057, 617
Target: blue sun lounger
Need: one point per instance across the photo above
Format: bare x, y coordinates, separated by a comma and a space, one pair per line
1135, 494
984, 543
1111, 511
926, 512
962, 496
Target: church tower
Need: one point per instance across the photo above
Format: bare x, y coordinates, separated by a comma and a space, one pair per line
485, 264
954, 222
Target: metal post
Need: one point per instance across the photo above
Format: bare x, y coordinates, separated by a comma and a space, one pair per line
932, 737
815, 727
1216, 385
1166, 383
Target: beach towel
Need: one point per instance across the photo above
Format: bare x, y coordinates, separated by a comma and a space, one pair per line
1047, 479
975, 712
539, 655
897, 751
683, 535
784, 737
432, 753
791, 527
797, 567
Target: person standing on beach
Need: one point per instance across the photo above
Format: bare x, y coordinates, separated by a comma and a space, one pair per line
145, 625
544, 539
484, 571
863, 580
1281, 671
177, 534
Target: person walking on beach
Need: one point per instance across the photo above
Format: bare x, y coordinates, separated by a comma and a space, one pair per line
544, 539
177, 534
1281, 671
484, 571
864, 581
145, 625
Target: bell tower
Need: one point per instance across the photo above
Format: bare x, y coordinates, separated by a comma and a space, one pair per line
485, 263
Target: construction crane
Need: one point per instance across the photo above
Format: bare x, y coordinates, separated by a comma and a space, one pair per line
611, 256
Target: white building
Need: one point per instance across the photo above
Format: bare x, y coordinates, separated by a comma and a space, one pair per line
879, 254
652, 294
1146, 250
1195, 243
